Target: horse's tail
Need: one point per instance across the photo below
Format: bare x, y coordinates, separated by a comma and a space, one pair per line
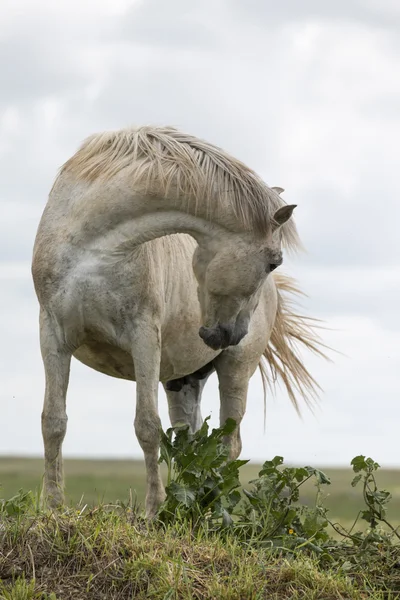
291, 333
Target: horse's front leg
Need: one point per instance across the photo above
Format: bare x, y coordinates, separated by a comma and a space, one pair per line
233, 376
56, 360
146, 354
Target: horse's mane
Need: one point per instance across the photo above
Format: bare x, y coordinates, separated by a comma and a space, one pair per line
171, 163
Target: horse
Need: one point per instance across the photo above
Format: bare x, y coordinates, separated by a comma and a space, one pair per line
153, 259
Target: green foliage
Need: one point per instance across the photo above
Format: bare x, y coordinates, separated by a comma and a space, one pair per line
202, 484
271, 513
375, 500
19, 504
203, 487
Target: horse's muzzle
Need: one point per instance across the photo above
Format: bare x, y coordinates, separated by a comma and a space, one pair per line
222, 336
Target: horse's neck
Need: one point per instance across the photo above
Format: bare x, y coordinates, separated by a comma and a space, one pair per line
154, 225
113, 215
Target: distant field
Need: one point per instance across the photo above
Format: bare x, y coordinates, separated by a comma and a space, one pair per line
95, 481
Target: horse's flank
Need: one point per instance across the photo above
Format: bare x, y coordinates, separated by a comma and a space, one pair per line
168, 163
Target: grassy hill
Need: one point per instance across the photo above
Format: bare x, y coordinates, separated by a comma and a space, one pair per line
96, 549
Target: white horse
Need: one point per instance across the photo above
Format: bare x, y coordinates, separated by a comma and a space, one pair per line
126, 297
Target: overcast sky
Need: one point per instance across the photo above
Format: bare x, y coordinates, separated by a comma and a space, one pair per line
308, 94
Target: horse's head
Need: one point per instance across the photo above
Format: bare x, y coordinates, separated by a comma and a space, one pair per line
230, 272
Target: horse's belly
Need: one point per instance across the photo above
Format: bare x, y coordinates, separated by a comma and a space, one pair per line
115, 362
106, 359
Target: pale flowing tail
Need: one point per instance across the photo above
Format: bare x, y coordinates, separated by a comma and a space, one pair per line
291, 333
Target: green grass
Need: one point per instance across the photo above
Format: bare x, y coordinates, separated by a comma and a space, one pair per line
105, 481
115, 556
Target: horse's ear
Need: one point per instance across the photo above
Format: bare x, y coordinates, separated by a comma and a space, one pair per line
278, 190
283, 214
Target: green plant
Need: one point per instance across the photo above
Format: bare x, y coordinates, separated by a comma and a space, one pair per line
271, 513
376, 500
19, 504
202, 485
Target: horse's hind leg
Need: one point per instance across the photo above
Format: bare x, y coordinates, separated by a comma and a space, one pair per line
56, 360
184, 398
